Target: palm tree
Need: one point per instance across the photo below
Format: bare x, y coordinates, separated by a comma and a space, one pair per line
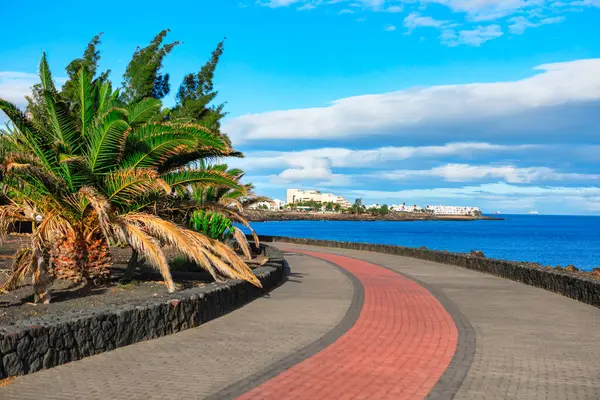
105, 173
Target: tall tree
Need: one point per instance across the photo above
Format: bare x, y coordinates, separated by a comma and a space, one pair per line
36, 106
143, 77
89, 62
197, 92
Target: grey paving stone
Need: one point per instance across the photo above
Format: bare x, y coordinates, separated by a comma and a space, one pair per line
530, 343
198, 362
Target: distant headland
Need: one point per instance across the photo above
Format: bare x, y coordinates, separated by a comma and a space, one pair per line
266, 215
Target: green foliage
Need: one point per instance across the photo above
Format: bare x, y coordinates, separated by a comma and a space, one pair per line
212, 224
108, 172
357, 207
196, 94
143, 77
87, 63
383, 210
70, 94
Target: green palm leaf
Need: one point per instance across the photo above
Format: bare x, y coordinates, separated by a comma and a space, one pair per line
107, 138
124, 186
141, 112
35, 141
58, 110
181, 180
86, 100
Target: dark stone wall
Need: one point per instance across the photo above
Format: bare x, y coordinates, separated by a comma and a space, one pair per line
53, 340
578, 287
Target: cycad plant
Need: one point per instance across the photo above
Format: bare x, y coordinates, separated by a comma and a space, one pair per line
99, 173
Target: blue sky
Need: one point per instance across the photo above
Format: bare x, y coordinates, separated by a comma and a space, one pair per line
493, 103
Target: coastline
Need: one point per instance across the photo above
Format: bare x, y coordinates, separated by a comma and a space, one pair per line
261, 216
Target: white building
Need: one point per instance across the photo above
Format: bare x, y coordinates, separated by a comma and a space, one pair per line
404, 208
299, 195
373, 206
275, 205
453, 210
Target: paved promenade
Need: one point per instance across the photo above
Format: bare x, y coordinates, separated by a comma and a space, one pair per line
357, 325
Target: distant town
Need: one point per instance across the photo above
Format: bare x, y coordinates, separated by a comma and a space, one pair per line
317, 201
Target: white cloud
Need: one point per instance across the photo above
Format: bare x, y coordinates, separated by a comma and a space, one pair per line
518, 25
14, 86
529, 106
466, 173
473, 37
394, 9
465, 13
338, 157
390, 28
415, 20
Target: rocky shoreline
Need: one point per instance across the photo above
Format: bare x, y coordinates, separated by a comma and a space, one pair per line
261, 216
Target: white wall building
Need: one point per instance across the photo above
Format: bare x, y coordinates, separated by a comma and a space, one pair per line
299, 195
453, 210
276, 205
406, 208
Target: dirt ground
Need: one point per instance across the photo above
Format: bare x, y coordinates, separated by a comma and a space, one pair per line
66, 297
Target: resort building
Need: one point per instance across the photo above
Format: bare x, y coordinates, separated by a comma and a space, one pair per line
299, 195
453, 210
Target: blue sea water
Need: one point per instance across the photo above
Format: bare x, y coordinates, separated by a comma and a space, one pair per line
547, 239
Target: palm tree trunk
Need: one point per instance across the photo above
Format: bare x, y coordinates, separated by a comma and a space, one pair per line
134, 262
41, 279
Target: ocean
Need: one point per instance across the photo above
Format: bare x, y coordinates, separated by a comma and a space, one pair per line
546, 239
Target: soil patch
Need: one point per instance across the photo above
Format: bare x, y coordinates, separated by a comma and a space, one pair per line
69, 298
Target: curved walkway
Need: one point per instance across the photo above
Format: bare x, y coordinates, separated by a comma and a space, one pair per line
357, 325
401, 344
530, 343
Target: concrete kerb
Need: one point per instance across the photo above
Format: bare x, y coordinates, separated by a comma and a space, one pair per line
581, 288
45, 342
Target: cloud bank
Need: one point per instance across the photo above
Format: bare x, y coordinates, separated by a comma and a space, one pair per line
533, 104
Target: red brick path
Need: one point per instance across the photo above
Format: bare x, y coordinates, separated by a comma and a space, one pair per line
398, 349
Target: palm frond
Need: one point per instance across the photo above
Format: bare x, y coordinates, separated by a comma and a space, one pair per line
141, 112
107, 138
197, 247
123, 185
148, 247
86, 100
240, 237
182, 179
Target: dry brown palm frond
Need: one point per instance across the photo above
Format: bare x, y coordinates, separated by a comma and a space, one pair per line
102, 208
9, 214
52, 227
240, 238
252, 199
17, 166
222, 256
168, 232
21, 267
231, 203
149, 248
205, 252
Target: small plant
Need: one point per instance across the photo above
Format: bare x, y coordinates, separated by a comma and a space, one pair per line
212, 224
